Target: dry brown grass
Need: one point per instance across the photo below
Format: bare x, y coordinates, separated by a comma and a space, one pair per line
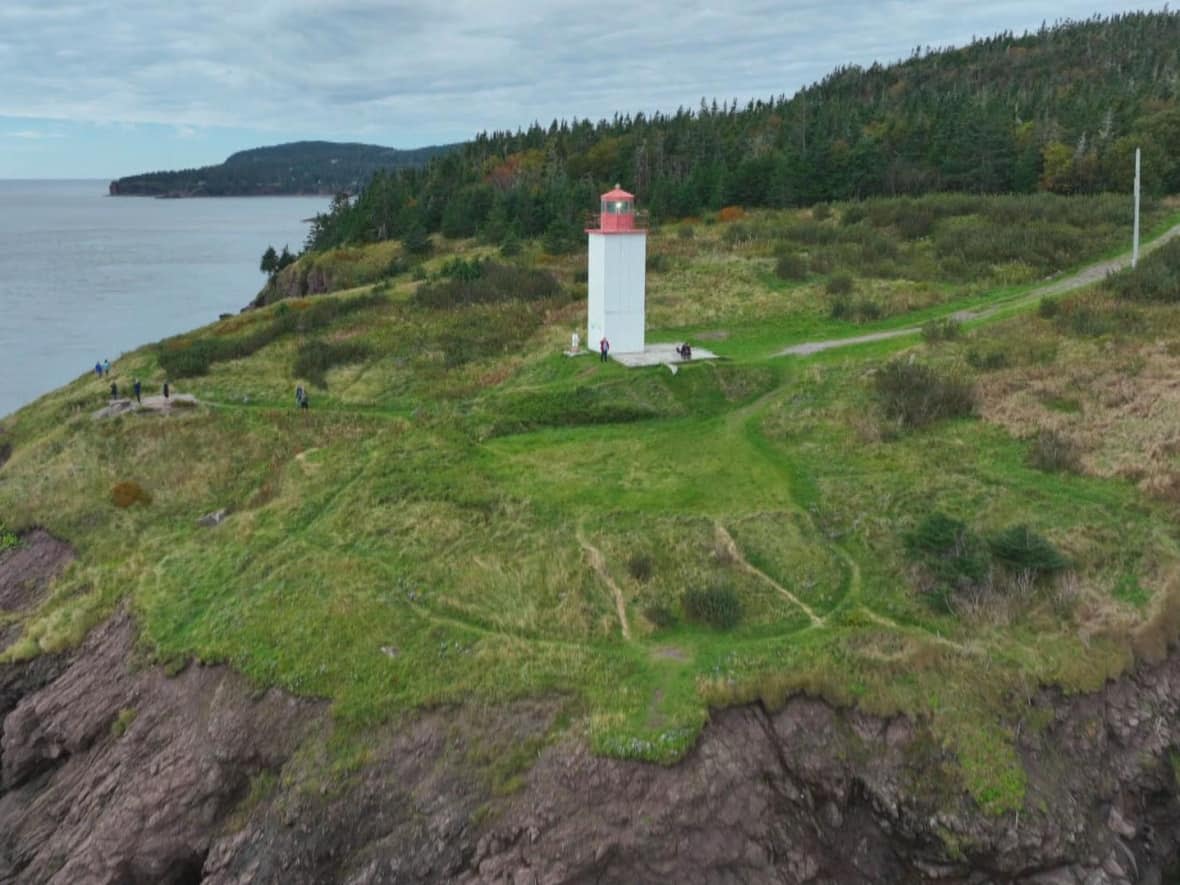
1119, 404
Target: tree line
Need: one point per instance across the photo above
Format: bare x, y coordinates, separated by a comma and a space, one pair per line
1058, 110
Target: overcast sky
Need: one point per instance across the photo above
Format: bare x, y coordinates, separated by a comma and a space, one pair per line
103, 88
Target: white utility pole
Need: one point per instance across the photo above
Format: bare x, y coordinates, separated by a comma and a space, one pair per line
1135, 246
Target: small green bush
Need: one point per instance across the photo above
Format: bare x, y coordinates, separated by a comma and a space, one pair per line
660, 616
685, 232
840, 284
821, 212
860, 310
8, 539
510, 246
640, 565
914, 395
315, 358
717, 606
791, 266
496, 283
1157, 278
987, 360
853, 214
123, 721
1048, 308
1021, 549
954, 557
657, 262
946, 329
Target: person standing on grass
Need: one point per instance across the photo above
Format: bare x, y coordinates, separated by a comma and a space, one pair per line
165, 390
303, 402
98, 369
106, 367
603, 349
300, 395
138, 388
114, 390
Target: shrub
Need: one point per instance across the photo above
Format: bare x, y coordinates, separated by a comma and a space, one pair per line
1022, 550
581, 275
853, 214
1053, 452
821, 211
1157, 278
8, 539
914, 395
840, 284
123, 721
461, 269
640, 566
986, 360
660, 616
315, 358
915, 221
717, 606
731, 213
129, 492
791, 266
496, 283
1048, 308
657, 262
510, 245
953, 556
187, 358
946, 329
859, 311
685, 232
736, 235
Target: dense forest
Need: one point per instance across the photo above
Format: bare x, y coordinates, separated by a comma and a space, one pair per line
301, 167
1059, 110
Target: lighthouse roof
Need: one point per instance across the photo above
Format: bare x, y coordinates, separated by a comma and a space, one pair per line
618, 194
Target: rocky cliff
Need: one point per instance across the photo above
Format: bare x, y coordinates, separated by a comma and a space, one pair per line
115, 770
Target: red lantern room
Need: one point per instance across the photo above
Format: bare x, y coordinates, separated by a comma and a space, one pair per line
618, 210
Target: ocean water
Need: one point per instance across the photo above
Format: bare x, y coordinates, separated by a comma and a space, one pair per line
85, 277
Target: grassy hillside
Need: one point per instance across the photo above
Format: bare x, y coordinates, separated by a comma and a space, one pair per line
465, 514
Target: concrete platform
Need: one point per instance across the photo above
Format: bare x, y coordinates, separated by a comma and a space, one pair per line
660, 355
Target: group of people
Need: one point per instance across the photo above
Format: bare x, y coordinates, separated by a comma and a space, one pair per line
103, 369
684, 351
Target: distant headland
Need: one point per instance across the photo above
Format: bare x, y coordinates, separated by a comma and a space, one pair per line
303, 168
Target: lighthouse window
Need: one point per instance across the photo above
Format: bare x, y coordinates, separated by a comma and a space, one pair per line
618, 207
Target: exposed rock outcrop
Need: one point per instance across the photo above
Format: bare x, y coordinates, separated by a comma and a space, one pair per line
117, 774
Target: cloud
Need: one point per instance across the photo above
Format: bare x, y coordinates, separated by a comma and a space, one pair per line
415, 73
32, 134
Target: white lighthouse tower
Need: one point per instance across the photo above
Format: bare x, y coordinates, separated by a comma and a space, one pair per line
618, 264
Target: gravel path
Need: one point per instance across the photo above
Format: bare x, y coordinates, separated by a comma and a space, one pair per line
1085, 277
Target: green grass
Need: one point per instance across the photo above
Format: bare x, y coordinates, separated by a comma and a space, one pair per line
453, 521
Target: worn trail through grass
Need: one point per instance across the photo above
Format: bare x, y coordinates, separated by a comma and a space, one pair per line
598, 564
726, 542
1085, 277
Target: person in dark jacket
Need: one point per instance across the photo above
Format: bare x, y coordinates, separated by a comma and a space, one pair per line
603, 349
114, 390
165, 390
98, 368
138, 388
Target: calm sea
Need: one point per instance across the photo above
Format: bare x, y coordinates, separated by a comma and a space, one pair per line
85, 277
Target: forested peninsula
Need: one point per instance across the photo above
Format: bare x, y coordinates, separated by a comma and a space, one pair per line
297, 168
